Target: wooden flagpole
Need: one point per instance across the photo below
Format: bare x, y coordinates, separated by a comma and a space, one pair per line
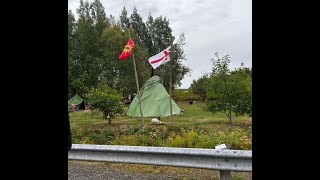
170, 90
138, 91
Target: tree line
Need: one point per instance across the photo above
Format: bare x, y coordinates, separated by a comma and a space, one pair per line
95, 41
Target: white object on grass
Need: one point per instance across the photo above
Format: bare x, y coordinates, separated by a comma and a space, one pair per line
156, 121
221, 146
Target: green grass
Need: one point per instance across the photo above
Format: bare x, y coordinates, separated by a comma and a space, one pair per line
193, 115
195, 128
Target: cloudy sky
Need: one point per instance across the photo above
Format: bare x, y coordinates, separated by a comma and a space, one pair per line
223, 26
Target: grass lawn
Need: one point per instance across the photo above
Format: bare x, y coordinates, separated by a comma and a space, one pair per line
193, 115
194, 124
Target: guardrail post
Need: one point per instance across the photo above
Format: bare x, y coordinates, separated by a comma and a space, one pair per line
225, 175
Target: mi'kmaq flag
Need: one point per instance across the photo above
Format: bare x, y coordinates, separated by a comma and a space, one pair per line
160, 58
127, 51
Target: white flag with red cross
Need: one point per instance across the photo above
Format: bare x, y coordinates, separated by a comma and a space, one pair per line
160, 58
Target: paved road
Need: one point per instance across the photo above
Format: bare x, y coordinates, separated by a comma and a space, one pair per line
99, 171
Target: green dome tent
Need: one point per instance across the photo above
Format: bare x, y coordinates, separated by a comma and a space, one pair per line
77, 101
154, 101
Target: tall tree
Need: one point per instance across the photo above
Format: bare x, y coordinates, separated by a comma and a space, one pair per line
87, 56
120, 74
151, 31
88, 49
71, 51
160, 37
99, 17
178, 56
113, 21
139, 27
228, 92
199, 86
124, 20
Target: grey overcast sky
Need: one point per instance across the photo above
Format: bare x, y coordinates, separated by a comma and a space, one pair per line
223, 26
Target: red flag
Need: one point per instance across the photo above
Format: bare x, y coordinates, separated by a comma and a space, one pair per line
127, 51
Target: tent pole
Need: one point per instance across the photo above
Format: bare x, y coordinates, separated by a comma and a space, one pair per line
135, 71
170, 91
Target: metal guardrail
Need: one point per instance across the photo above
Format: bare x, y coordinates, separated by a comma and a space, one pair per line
222, 160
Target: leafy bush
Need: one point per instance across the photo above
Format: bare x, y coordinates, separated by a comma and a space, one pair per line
236, 138
106, 100
185, 95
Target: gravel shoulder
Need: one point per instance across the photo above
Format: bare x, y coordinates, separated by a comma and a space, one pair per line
83, 170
